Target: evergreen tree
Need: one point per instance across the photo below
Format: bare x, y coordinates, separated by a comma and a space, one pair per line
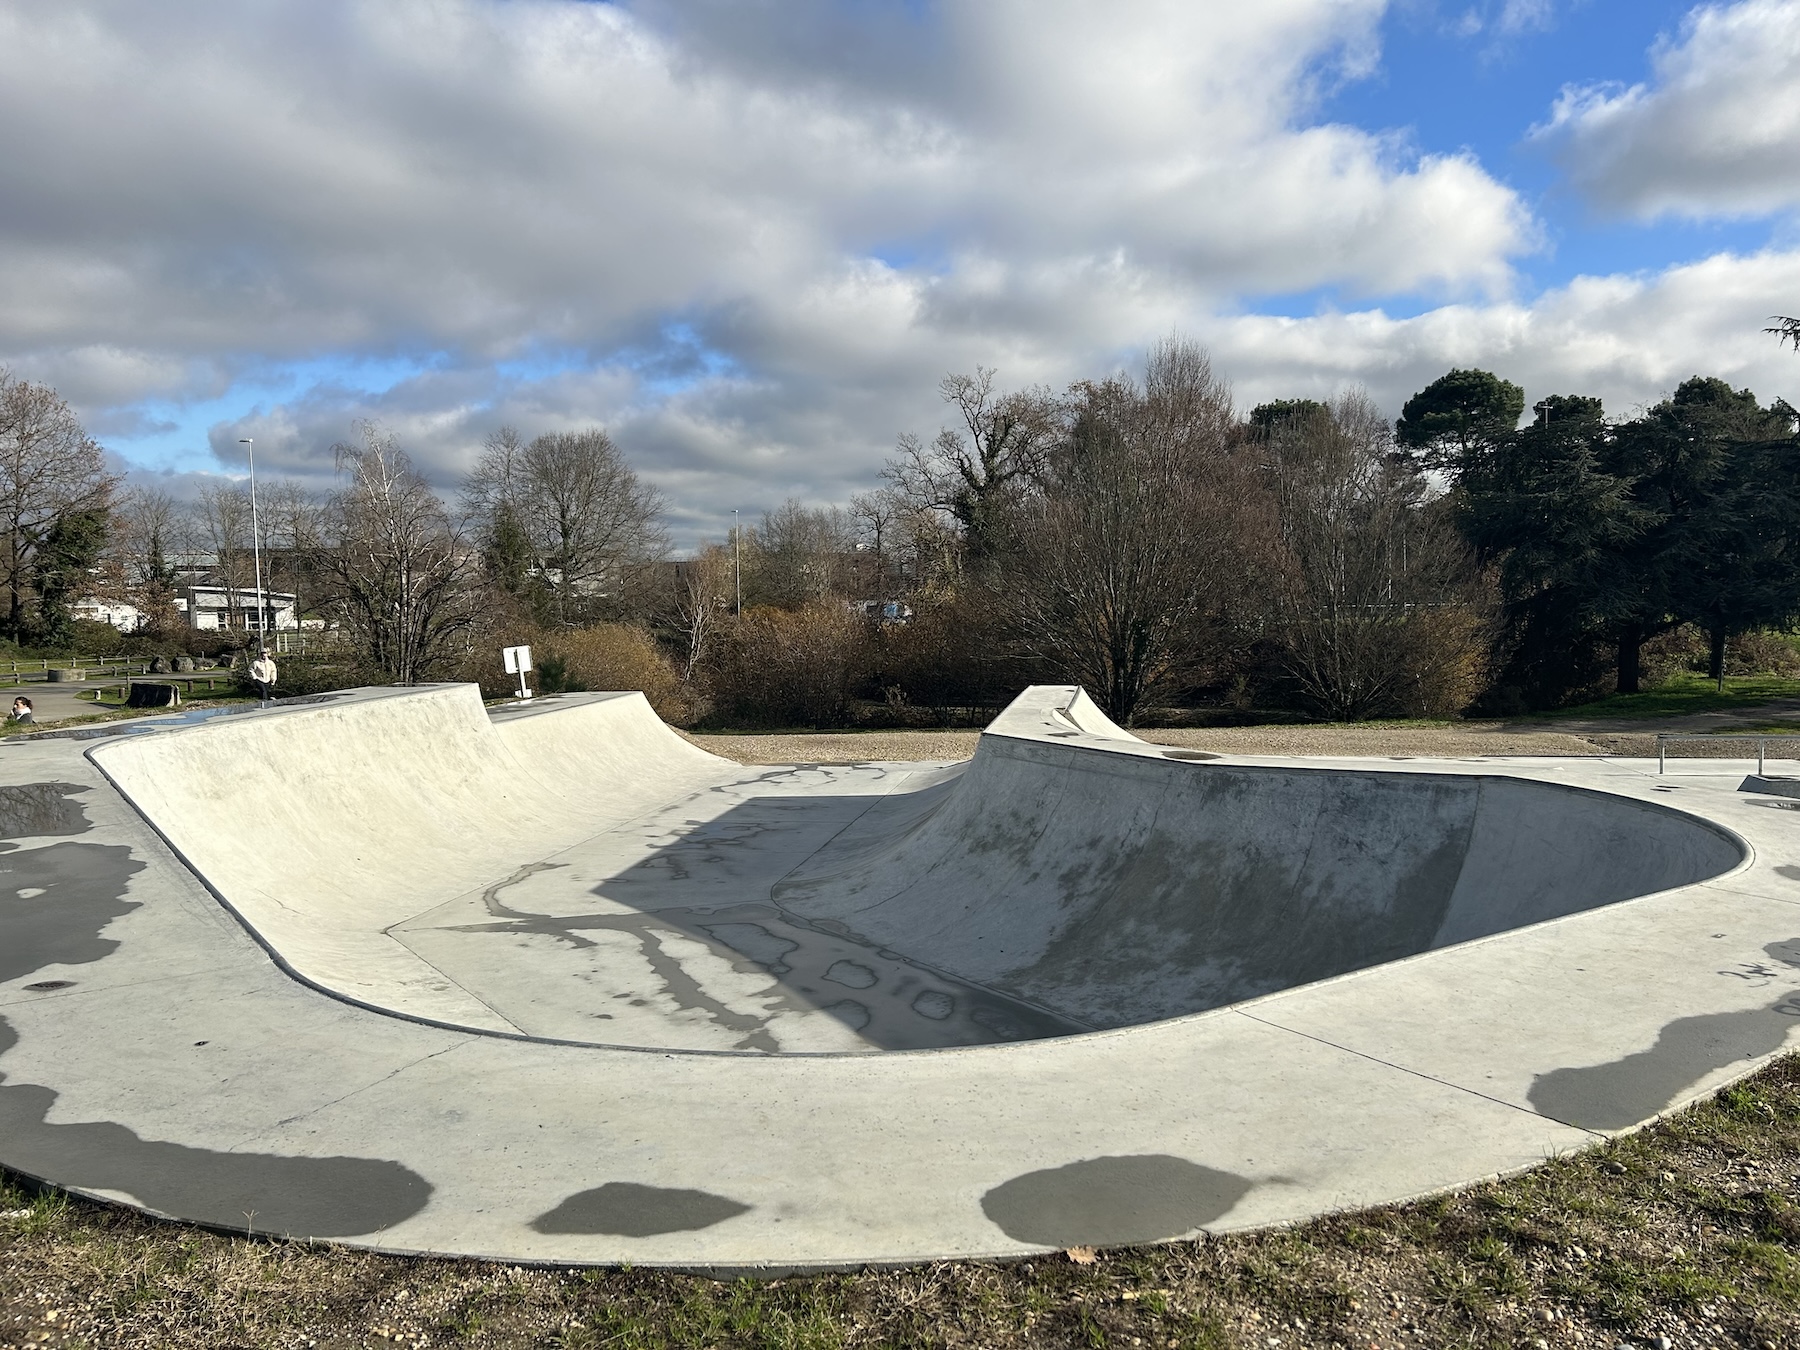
1459, 418
1568, 531
1716, 473
70, 549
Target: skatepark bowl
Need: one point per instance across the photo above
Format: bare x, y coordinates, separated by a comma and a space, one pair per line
550, 983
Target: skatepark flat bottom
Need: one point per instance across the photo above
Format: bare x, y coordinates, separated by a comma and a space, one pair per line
553, 984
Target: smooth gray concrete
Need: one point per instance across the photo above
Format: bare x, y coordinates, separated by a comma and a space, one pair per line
1454, 979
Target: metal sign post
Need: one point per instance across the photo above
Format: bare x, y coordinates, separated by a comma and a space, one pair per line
518, 661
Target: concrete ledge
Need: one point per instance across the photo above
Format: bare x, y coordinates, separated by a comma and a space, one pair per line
1772, 786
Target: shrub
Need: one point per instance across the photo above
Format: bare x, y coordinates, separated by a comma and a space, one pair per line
776, 667
1762, 653
602, 657
950, 660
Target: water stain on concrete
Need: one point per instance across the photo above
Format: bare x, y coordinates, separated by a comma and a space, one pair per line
626, 1209
32, 810
851, 974
1113, 1201
1619, 1094
56, 900
256, 1192
803, 959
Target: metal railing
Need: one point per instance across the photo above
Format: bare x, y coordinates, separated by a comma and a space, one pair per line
1664, 737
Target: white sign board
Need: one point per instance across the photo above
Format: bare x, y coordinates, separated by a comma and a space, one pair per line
518, 659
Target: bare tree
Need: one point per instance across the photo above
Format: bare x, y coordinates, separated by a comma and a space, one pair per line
1125, 559
587, 528
975, 474
877, 519
1378, 591
799, 555
703, 601
293, 525
51, 471
149, 533
394, 565
222, 519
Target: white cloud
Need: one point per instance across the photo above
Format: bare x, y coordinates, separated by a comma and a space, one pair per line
1627, 339
1716, 133
749, 236
820, 418
1525, 16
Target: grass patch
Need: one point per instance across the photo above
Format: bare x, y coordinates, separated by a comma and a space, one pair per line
1684, 693
1687, 1230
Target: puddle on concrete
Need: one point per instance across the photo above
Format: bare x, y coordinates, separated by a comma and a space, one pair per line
55, 901
249, 1192
32, 810
62, 897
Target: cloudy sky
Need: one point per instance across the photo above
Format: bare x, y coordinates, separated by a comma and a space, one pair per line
750, 236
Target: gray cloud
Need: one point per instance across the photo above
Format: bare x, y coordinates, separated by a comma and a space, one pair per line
210, 178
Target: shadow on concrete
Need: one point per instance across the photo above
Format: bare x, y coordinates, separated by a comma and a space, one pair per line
1113, 1201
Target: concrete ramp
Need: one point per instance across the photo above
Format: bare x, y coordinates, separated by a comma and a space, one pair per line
322, 826
1081, 869
574, 870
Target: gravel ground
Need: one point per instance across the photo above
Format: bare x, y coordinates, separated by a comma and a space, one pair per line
1458, 739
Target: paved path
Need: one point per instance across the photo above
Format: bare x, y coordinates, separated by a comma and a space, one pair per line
381, 1040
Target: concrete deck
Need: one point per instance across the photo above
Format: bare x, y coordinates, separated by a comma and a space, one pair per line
553, 985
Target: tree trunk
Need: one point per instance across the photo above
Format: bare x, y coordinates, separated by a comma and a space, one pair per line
1715, 668
1631, 640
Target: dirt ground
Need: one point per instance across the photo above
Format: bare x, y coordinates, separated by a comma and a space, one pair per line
1425, 740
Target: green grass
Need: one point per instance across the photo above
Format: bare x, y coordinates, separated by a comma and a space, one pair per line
1688, 1229
1685, 693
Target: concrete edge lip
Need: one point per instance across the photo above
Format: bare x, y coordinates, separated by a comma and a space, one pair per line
1656, 1000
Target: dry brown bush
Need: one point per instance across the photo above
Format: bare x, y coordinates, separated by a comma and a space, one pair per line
603, 656
949, 664
776, 667
1448, 650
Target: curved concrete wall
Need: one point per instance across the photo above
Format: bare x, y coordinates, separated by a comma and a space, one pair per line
324, 826
1079, 869
1068, 865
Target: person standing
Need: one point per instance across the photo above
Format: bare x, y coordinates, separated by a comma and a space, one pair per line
262, 671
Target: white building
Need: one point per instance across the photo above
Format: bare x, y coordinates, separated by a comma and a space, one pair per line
127, 618
209, 608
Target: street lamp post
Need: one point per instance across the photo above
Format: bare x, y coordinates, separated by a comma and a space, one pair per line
255, 539
737, 564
